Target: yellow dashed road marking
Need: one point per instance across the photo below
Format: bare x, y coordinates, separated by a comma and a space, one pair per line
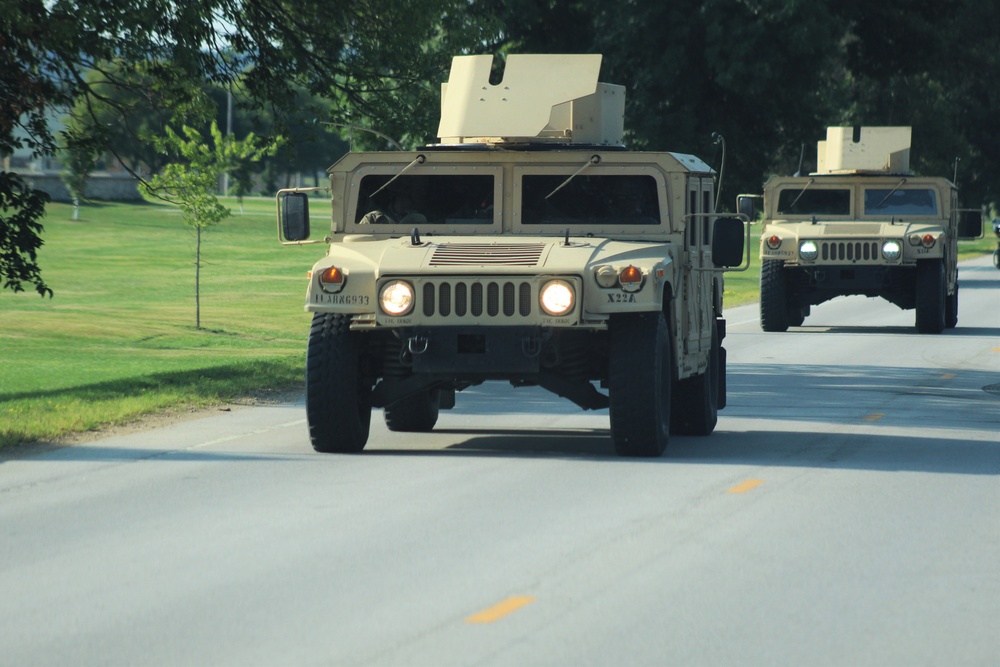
874, 417
498, 611
743, 487
947, 376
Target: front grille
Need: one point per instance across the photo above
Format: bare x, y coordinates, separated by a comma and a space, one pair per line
476, 298
849, 251
487, 254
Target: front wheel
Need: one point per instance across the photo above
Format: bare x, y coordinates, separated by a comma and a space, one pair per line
773, 296
996, 258
639, 383
931, 296
338, 394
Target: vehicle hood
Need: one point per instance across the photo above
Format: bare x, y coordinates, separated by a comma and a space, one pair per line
492, 255
856, 228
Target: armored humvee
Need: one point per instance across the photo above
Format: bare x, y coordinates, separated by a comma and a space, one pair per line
528, 246
861, 224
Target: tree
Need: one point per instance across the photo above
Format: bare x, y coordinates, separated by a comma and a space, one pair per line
379, 61
771, 75
20, 234
192, 181
79, 163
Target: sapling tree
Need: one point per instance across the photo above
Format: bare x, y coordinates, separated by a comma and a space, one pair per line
191, 180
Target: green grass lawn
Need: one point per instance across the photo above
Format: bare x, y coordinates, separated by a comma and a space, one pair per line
118, 340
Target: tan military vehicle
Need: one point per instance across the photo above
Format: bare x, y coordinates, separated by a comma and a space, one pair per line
528, 246
861, 224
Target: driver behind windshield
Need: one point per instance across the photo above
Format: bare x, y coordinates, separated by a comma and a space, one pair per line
399, 211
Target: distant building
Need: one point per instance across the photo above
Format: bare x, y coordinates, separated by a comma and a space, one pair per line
45, 173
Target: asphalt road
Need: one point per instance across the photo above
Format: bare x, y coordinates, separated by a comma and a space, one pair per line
845, 512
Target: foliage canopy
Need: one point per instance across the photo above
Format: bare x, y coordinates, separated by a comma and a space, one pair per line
769, 75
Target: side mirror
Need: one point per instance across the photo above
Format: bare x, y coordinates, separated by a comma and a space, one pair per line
747, 205
970, 224
728, 242
295, 216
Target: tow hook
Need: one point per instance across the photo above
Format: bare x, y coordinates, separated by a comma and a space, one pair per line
531, 346
417, 344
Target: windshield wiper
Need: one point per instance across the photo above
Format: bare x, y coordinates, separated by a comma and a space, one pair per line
901, 181
417, 160
594, 159
801, 192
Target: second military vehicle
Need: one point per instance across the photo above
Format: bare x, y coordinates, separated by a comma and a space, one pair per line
861, 224
527, 246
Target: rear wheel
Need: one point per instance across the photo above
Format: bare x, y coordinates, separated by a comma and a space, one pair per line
416, 413
931, 296
773, 296
639, 382
338, 395
695, 406
951, 310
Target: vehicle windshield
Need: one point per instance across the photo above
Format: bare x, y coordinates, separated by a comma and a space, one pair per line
886, 201
439, 199
588, 199
814, 201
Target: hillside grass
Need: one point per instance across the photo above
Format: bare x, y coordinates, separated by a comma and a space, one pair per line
118, 341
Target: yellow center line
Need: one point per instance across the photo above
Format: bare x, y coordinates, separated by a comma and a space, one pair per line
498, 611
743, 487
996, 349
947, 376
874, 417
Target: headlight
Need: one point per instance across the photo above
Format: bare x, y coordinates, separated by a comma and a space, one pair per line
891, 249
557, 298
396, 298
808, 250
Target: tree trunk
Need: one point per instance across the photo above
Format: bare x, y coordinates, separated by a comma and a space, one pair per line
197, 280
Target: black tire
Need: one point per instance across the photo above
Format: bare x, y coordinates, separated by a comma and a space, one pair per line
416, 413
796, 316
931, 296
695, 400
951, 310
338, 395
996, 258
639, 383
773, 296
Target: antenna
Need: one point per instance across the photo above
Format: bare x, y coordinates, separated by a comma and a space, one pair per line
802, 156
719, 139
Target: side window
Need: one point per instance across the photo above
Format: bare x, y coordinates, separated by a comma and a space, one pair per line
693, 221
706, 207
